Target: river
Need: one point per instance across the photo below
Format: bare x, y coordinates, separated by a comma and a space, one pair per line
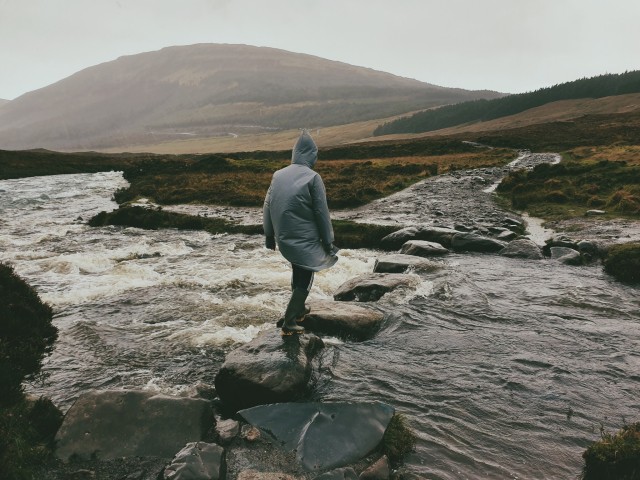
505, 368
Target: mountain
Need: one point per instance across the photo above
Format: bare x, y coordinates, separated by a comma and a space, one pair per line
483, 110
207, 90
3, 101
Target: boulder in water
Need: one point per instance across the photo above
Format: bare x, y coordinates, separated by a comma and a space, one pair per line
472, 242
343, 319
378, 471
522, 248
370, 287
568, 256
423, 248
323, 435
441, 235
268, 369
112, 424
400, 263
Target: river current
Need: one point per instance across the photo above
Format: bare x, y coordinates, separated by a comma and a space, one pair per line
505, 368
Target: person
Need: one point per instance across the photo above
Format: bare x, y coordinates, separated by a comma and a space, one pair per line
296, 218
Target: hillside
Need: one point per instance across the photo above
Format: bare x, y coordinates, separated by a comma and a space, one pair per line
207, 90
484, 110
3, 102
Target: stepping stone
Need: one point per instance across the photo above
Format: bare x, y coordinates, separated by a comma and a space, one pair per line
114, 423
423, 248
370, 287
323, 435
472, 242
522, 248
269, 369
343, 319
441, 235
400, 263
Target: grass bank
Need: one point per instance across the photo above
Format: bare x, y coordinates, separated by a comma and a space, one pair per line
347, 234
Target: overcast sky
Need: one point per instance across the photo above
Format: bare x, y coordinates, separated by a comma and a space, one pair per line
505, 45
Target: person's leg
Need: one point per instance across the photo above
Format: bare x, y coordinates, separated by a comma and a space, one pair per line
301, 282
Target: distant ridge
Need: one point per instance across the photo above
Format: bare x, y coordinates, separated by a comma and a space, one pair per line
484, 110
206, 90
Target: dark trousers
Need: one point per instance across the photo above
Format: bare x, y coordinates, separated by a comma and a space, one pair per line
301, 278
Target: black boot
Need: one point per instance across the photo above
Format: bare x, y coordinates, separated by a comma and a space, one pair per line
295, 311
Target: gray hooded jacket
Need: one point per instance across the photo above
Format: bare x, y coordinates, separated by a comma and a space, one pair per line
296, 213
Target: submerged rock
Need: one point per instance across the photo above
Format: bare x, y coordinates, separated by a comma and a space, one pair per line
323, 435
370, 287
472, 242
400, 263
112, 424
197, 461
268, 369
522, 248
423, 248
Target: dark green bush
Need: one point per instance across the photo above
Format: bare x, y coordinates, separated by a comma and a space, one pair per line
623, 262
26, 333
615, 456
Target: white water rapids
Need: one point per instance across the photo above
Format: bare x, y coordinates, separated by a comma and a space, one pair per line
506, 368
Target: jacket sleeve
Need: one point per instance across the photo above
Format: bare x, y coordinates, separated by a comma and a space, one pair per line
321, 210
267, 225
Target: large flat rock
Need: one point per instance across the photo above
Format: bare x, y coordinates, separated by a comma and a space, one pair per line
112, 424
400, 263
371, 286
268, 369
323, 435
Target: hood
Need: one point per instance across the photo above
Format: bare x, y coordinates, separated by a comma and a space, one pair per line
305, 151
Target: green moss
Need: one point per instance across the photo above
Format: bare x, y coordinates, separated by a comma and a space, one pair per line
623, 262
615, 456
399, 439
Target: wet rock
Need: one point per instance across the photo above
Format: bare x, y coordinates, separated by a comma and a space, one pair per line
462, 228
197, 461
568, 256
227, 430
559, 241
423, 248
588, 247
343, 319
255, 475
370, 287
497, 230
400, 263
323, 435
472, 242
378, 471
522, 248
441, 235
269, 369
346, 473
112, 424
507, 236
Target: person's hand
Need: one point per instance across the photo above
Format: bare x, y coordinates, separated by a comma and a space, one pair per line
270, 243
330, 248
